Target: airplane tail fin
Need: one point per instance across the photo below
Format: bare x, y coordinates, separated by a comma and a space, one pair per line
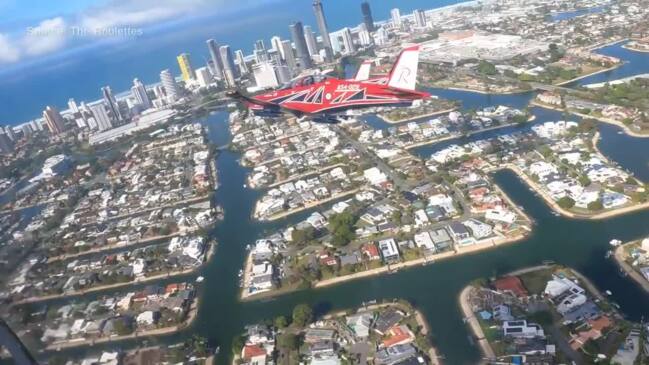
404, 71
363, 72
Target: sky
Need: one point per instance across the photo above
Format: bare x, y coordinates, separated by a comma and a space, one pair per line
33, 29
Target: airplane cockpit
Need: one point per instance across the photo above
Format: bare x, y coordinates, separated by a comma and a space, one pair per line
305, 81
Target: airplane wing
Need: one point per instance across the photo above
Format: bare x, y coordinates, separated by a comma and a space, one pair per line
250, 101
236, 94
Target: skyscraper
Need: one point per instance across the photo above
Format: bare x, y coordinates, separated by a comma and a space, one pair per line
241, 61
186, 68
289, 57
395, 15
420, 18
54, 120
367, 16
229, 69
111, 103
324, 31
72, 105
169, 83
297, 32
217, 64
139, 92
102, 120
348, 42
276, 43
203, 76
259, 45
364, 37
311, 42
382, 36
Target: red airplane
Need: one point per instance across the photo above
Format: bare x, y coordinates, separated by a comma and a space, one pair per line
321, 97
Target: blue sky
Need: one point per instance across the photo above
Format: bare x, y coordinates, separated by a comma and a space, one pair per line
35, 29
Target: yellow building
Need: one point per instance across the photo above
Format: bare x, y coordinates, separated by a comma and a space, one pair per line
186, 67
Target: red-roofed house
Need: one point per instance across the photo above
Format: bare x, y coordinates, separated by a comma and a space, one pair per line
398, 335
370, 251
511, 284
252, 351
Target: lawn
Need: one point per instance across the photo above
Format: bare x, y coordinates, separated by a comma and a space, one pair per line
535, 281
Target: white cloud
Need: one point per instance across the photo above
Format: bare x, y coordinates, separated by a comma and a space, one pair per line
8, 51
49, 35
128, 13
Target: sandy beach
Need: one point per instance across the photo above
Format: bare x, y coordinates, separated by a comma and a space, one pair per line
474, 325
620, 259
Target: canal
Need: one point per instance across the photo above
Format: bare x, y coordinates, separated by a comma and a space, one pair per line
433, 289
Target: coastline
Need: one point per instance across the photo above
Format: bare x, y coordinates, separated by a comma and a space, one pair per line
470, 319
614, 122
76, 293
635, 49
620, 256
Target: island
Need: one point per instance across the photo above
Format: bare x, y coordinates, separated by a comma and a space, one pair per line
389, 333
547, 314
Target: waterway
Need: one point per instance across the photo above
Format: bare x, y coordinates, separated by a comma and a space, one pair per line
566, 15
433, 289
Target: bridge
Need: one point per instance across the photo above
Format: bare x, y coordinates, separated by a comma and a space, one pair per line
552, 88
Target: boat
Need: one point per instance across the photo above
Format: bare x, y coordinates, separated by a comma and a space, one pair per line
609, 253
615, 242
200, 279
608, 292
240, 273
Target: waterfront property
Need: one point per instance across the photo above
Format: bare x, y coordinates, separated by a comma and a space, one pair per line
559, 160
543, 314
633, 259
390, 333
153, 310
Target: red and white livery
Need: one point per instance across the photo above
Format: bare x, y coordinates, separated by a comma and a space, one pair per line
321, 97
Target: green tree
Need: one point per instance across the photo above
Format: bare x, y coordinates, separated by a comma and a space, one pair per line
341, 227
238, 343
566, 202
302, 315
596, 205
288, 341
303, 236
281, 322
487, 68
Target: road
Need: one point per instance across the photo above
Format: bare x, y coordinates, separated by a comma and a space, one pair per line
399, 182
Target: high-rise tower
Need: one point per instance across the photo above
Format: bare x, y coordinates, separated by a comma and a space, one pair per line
322, 26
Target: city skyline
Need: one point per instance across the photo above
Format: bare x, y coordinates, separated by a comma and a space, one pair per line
149, 74
459, 185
